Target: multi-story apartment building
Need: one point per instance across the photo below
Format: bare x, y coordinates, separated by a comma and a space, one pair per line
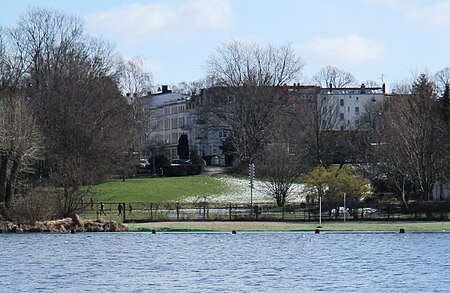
350, 104
169, 119
173, 114
208, 133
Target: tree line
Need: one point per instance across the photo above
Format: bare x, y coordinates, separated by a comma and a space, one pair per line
402, 145
65, 122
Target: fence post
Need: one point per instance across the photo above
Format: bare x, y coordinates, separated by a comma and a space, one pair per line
124, 212
230, 211
178, 211
151, 211
204, 210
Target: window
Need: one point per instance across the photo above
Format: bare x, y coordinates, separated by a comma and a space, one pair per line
222, 134
174, 123
174, 137
181, 122
356, 110
341, 102
341, 116
166, 124
356, 122
373, 99
166, 111
357, 98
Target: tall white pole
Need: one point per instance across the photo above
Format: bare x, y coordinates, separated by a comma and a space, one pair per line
320, 210
345, 209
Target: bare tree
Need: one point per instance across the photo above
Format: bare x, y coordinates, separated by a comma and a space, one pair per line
314, 121
72, 82
442, 79
416, 144
246, 98
20, 145
192, 87
280, 170
331, 76
133, 79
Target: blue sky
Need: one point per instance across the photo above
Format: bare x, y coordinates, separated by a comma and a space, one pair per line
369, 38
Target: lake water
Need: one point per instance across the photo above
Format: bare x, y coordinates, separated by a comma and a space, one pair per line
220, 262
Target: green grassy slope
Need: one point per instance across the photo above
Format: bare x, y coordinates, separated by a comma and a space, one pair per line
158, 189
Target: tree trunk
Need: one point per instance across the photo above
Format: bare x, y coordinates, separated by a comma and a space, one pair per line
3, 176
9, 194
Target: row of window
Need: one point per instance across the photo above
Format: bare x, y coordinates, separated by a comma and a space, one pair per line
348, 109
170, 138
174, 109
177, 122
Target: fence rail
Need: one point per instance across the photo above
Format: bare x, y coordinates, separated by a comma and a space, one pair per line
149, 212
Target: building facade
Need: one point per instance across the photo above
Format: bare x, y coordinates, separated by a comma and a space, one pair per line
173, 114
351, 104
169, 118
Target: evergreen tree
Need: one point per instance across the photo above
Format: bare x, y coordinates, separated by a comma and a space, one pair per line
445, 104
183, 147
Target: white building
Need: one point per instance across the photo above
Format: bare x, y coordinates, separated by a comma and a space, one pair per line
350, 104
173, 114
169, 119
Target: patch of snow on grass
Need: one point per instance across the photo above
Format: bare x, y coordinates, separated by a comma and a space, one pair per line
239, 192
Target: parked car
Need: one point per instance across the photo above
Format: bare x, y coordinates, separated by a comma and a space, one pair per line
143, 163
180, 162
367, 210
341, 210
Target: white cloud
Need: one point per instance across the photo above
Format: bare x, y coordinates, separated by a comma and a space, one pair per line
436, 15
135, 21
430, 13
350, 50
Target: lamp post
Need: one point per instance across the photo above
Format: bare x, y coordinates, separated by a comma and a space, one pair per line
345, 206
251, 176
320, 211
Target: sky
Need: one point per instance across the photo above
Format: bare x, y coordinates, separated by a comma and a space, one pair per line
377, 40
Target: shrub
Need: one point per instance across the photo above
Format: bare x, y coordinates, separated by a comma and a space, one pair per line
33, 207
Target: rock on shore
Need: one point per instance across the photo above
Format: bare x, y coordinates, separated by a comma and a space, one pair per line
74, 224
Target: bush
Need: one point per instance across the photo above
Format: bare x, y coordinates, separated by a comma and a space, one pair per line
33, 207
182, 170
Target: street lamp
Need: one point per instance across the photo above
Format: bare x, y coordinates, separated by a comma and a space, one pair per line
345, 206
251, 175
320, 211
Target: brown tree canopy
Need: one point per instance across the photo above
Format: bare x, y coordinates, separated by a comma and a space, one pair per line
334, 77
246, 99
415, 149
70, 84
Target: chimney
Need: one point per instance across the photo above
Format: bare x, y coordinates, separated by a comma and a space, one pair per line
363, 89
384, 88
165, 89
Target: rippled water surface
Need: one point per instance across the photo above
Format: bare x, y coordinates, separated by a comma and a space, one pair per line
218, 262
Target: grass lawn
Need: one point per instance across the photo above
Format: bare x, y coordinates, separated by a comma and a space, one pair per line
259, 226
158, 190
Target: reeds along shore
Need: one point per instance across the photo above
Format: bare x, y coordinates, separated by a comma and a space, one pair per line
66, 225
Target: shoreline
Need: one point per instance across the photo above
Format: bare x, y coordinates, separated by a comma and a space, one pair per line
279, 226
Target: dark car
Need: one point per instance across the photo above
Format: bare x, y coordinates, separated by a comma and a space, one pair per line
181, 162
